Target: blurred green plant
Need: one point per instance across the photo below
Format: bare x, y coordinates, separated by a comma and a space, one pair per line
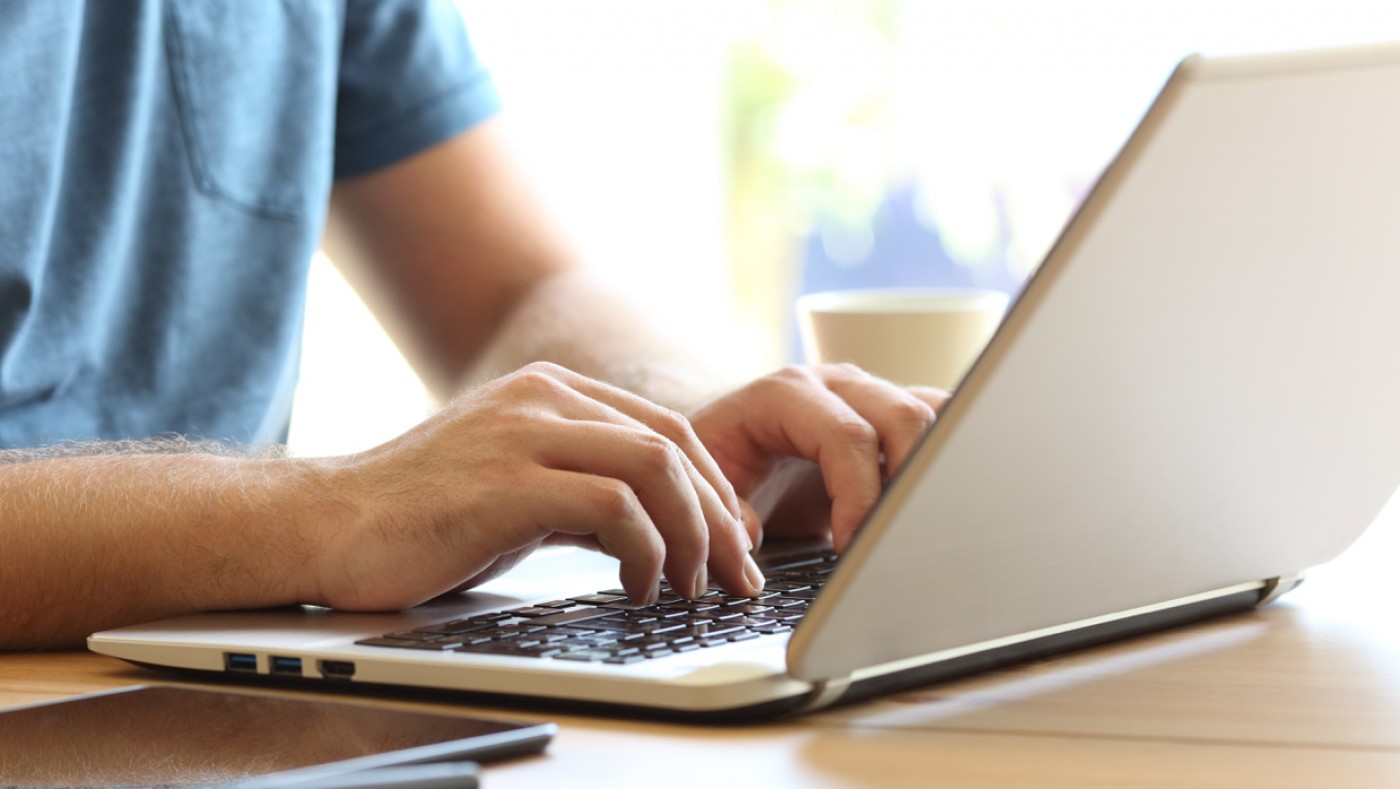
810, 101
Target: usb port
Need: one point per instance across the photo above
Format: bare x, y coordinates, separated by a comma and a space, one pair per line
336, 669
238, 661
286, 666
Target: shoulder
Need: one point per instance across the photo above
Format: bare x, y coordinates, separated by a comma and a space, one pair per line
409, 79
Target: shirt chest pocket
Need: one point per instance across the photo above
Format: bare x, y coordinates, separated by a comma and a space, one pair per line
255, 84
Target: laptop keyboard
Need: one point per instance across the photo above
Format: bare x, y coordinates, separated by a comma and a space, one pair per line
605, 627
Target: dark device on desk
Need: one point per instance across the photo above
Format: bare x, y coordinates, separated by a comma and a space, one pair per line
172, 736
1192, 403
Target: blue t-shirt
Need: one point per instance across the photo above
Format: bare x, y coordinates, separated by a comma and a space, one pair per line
164, 172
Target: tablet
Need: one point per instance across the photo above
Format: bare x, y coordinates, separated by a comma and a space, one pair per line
165, 735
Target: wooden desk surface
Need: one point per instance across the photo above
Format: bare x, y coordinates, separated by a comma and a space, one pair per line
1304, 693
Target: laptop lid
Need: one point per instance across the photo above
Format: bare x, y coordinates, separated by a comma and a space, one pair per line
1197, 390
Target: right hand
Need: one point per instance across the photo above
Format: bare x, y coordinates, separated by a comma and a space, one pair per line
540, 455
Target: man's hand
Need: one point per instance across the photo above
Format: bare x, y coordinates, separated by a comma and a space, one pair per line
542, 454
812, 447
547, 455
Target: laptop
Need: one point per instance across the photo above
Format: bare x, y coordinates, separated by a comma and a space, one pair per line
1192, 403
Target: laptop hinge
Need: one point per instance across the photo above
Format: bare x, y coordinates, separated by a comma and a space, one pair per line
1274, 588
825, 694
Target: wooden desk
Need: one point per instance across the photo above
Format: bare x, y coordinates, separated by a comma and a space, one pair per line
1305, 693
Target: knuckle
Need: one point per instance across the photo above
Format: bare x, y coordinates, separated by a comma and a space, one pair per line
615, 500
914, 412
795, 374
786, 381
657, 454
857, 432
534, 379
846, 370
543, 368
673, 423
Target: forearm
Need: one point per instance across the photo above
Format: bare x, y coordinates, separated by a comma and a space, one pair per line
577, 321
91, 542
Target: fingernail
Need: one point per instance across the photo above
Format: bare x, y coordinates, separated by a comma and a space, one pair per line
702, 583
753, 575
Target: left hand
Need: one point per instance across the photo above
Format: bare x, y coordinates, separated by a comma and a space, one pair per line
805, 447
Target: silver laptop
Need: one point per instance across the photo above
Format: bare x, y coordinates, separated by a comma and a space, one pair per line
1194, 401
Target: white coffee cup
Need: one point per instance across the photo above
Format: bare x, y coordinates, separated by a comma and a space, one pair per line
911, 336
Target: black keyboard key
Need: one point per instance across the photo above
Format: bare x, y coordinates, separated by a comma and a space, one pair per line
575, 630
624, 605
727, 616
494, 616
692, 606
638, 617
455, 628
712, 631
533, 612
584, 655
759, 598
414, 635
569, 617
544, 650
786, 586
511, 631
599, 599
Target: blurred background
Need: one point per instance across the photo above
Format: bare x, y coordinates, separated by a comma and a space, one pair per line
718, 158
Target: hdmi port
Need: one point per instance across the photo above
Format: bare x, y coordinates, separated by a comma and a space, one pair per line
336, 669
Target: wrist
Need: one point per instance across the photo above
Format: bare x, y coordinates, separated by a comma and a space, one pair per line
268, 546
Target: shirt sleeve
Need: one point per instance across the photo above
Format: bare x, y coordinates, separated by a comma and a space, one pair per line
409, 79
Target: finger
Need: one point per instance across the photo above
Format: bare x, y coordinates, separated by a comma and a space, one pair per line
936, 398
660, 475
753, 524
899, 417
805, 419
729, 541
583, 506
661, 419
